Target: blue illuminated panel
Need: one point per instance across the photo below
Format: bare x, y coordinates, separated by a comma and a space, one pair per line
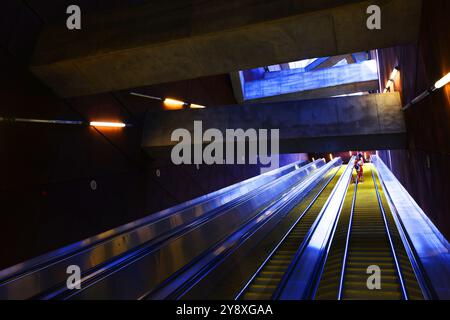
307, 75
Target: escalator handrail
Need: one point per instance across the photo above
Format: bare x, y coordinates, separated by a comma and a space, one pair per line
424, 281
391, 244
102, 269
36, 263
237, 297
116, 264
172, 286
235, 239
315, 279
347, 244
286, 277
18, 279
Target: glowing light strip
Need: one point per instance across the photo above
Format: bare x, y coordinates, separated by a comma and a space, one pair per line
442, 82
173, 104
439, 84
196, 106
169, 103
391, 79
107, 124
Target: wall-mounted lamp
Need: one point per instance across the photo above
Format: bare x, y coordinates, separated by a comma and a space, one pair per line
439, 84
169, 103
196, 106
99, 124
444, 81
391, 80
173, 104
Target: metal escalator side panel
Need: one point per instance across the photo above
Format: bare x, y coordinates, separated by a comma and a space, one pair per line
28, 279
330, 283
347, 243
280, 258
142, 272
427, 248
412, 286
391, 243
49, 258
203, 278
302, 277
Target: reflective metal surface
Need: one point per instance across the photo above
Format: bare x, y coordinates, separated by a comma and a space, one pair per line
140, 271
33, 277
203, 280
391, 244
347, 243
297, 283
425, 242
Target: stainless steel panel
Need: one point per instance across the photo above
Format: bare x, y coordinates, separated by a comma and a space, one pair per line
430, 247
140, 274
30, 278
229, 265
296, 284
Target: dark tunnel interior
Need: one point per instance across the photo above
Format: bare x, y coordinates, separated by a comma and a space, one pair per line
61, 184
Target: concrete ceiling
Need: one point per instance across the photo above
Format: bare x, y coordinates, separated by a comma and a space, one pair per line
154, 42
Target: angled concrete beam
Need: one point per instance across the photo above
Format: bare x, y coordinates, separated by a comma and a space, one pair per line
289, 81
372, 121
326, 92
331, 61
166, 41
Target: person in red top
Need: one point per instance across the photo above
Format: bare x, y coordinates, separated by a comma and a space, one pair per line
360, 170
358, 165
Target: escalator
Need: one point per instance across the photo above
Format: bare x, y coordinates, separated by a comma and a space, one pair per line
366, 235
156, 237
309, 227
270, 274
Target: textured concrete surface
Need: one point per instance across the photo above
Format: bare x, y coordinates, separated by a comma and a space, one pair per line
326, 92
334, 124
174, 40
289, 81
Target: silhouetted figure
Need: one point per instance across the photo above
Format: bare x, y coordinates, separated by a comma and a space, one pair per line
360, 170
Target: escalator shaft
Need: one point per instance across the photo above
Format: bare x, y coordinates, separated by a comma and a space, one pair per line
368, 245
